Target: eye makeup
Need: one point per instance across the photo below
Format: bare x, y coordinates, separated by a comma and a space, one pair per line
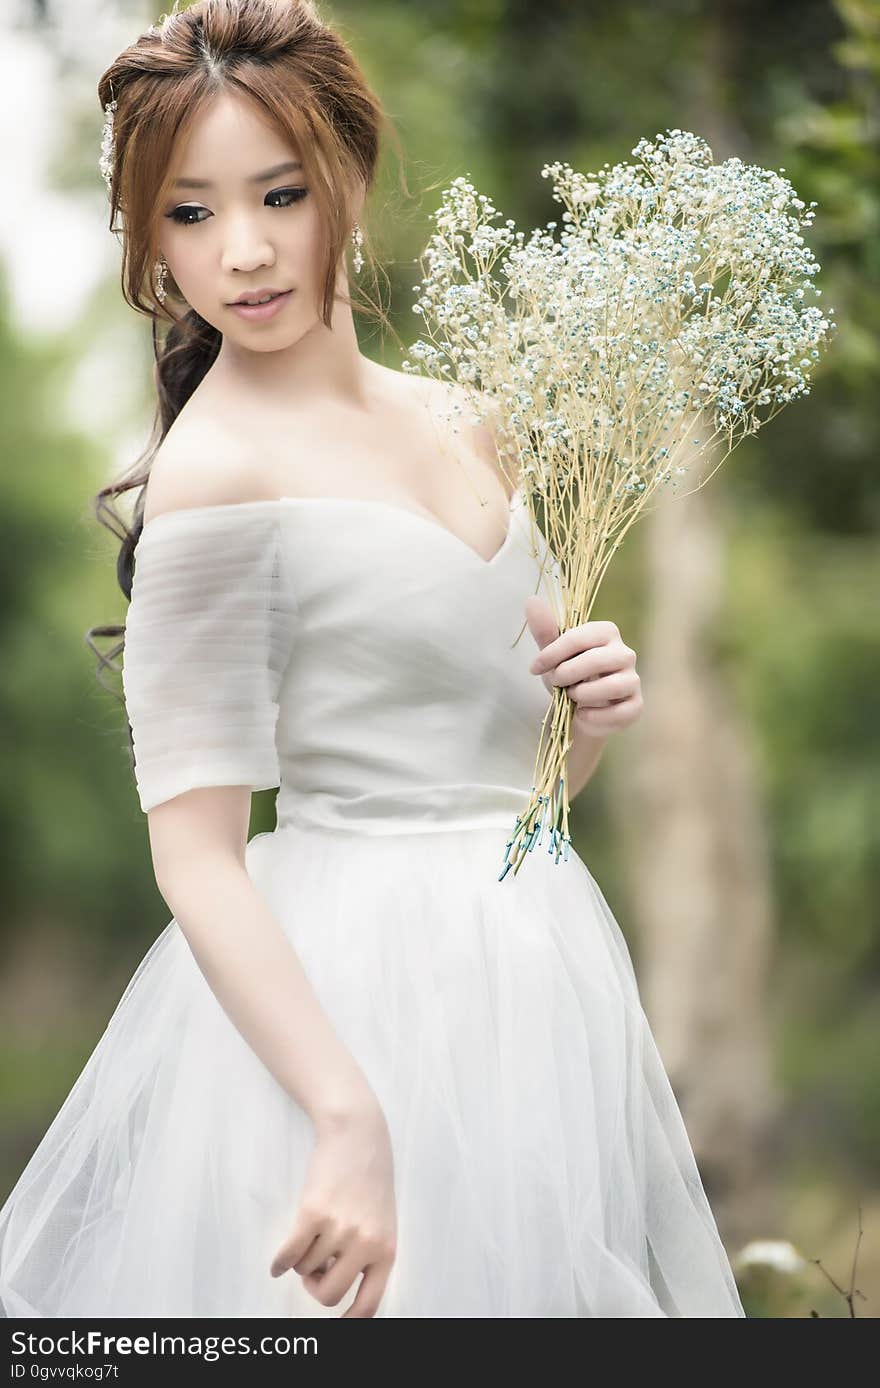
180, 214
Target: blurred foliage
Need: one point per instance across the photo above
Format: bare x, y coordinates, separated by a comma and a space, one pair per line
494, 88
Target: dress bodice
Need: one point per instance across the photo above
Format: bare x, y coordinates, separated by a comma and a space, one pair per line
353, 652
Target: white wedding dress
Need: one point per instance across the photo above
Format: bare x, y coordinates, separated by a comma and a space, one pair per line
361, 656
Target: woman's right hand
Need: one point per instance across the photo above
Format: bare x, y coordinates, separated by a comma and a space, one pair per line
346, 1223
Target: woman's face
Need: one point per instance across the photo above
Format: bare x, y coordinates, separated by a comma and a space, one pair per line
238, 219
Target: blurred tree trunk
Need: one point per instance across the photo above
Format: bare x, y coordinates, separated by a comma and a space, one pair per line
689, 812
687, 799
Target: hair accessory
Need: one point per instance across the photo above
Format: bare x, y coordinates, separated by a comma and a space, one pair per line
105, 163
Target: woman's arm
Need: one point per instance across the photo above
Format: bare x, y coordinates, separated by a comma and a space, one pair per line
198, 842
211, 628
583, 757
198, 837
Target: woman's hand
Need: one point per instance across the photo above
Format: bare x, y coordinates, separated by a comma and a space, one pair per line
346, 1223
591, 661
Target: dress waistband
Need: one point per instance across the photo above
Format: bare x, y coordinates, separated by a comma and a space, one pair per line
413, 810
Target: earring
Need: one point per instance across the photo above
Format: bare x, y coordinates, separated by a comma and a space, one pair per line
357, 238
161, 271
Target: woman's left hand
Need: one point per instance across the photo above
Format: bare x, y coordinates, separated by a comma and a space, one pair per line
591, 661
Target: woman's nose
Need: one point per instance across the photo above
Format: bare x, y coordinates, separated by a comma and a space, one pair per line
246, 247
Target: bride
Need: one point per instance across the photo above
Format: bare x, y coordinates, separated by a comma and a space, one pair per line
354, 1075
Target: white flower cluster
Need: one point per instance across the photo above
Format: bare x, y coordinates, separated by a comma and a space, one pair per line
674, 292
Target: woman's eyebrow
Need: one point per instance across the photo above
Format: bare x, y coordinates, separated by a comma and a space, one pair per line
291, 166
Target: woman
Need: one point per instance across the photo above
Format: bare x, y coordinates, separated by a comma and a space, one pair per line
354, 1075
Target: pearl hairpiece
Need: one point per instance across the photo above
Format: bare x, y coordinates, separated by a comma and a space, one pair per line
105, 163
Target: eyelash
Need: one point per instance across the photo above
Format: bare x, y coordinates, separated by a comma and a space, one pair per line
179, 214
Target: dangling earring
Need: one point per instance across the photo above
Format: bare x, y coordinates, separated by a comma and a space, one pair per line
160, 270
357, 239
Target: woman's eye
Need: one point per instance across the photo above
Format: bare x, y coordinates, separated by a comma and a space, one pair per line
182, 214
296, 194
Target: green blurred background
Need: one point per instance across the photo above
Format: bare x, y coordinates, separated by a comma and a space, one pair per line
779, 1073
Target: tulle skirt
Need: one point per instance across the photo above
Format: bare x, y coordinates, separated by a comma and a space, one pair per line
541, 1164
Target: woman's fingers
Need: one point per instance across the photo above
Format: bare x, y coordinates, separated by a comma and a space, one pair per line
602, 690
594, 664
370, 1292
317, 1254
307, 1227
331, 1286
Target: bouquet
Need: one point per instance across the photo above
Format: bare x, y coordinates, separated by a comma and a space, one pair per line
670, 314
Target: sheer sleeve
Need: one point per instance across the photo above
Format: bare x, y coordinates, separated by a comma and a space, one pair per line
207, 639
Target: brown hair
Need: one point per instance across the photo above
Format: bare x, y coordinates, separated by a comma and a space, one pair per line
281, 55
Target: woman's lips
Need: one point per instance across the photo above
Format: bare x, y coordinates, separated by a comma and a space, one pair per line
259, 312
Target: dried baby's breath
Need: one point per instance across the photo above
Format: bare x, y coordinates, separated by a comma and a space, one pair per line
671, 311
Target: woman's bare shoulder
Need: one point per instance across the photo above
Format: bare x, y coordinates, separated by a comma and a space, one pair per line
476, 413
480, 416
198, 464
